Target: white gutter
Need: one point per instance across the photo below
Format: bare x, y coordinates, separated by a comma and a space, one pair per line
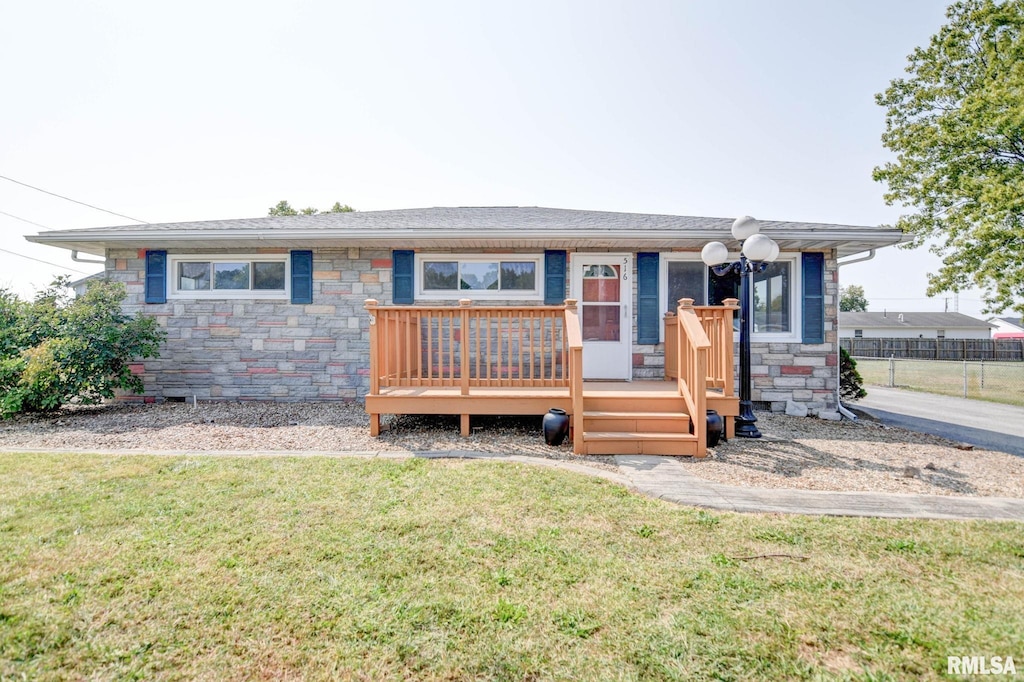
871, 254
394, 235
74, 257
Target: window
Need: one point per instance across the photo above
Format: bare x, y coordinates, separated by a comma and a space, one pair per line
202, 276
858, 333
484, 276
775, 291
940, 334
772, 298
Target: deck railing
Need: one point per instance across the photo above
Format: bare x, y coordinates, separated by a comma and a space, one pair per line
692, 350
717, 322
467, 346
574, 339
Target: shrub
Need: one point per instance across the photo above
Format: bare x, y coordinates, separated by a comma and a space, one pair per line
60, 349
850, 382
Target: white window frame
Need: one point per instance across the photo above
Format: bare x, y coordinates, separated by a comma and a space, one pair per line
173, 292
536, 294
794, 335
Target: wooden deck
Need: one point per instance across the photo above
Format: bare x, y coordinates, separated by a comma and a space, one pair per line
526, 360
617, 416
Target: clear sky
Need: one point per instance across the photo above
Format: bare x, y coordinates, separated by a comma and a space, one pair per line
208, 110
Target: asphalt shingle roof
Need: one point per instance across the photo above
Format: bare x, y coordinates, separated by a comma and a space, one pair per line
451, 227
470, 219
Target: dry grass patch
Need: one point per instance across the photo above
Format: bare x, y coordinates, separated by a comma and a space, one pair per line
232, 568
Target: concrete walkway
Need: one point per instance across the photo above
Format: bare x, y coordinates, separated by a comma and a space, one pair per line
992, 426
666, 478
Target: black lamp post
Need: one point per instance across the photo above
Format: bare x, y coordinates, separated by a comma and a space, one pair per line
756, 251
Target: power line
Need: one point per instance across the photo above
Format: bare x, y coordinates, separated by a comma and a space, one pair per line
24, 220
38, 260
74, 201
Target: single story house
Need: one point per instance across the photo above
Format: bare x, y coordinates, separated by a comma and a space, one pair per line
896, 325
343, 306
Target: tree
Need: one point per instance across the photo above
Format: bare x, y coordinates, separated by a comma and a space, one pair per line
852, 299
956, 125
851, 385
58, 349
284, 208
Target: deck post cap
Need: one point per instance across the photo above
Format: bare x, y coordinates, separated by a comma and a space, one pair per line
369, 303
570, 303
465, 302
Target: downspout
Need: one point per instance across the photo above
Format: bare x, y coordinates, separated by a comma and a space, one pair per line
839, 357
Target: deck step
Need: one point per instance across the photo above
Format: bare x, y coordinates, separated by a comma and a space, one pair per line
633, 414
638, 443
628, 402
642, 422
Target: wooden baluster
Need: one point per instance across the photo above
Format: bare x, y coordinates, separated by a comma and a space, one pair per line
523, 320
464, 304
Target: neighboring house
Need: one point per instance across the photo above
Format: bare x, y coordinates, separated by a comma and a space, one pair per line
895, 325
79, 286
1007, 328
273, 307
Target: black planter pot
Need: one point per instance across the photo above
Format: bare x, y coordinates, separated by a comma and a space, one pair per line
716, 428
556, 426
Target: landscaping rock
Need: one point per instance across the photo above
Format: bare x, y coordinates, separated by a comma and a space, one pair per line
795, 409
830, 416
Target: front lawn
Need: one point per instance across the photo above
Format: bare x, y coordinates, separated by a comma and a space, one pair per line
286, 567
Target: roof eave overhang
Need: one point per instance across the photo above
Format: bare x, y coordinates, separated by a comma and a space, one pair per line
847, 242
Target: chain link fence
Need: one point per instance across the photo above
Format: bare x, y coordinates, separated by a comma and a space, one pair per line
1000, 382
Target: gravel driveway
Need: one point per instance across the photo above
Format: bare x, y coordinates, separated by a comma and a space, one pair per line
803, 453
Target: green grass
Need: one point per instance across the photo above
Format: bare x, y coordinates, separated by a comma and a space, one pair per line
999, 382
268, 568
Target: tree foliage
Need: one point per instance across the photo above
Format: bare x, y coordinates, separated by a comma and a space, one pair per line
58, 349
852, 299
851, 385
956, 125
284, 208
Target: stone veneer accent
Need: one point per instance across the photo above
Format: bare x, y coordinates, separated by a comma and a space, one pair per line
276, 350
269, 349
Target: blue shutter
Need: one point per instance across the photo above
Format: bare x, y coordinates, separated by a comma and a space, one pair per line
156, 277
302, 276
554, 277
814, 297
647, 308
403, 265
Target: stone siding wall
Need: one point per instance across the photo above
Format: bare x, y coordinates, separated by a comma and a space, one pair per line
803, 373
275, 350
265, 349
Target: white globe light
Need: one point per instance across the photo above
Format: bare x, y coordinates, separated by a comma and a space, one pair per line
775, 252
714, 253
758, 247
744, 227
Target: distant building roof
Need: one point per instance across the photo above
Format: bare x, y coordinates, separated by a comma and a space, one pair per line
890, 320
1015, 321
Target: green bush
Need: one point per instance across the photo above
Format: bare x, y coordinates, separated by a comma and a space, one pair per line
850, 382
59, 349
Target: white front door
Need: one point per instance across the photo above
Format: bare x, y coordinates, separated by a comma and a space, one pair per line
603, 285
